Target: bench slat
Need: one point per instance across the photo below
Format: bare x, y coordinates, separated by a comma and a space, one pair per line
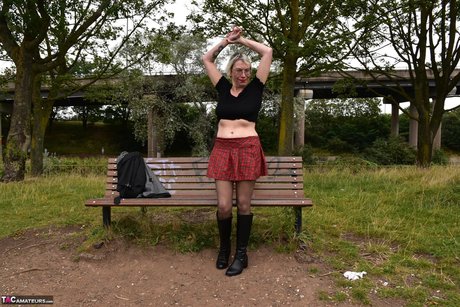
202, 172
192, 202
185, 178
269, 159
197, 179
200, 166
212, 193
212, 186
201, 179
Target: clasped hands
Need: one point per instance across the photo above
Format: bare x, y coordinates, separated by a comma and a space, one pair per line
234, 35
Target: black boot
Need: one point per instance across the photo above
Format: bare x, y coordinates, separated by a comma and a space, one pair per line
225, 231
243, 230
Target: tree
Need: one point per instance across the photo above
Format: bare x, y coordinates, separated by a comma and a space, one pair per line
451, 133
423, 37
184, 54
156, 102
302, 34
41, 37
181, 51
66, 79
7, 77
345, 124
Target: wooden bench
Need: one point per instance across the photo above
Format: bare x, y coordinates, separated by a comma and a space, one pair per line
185, 178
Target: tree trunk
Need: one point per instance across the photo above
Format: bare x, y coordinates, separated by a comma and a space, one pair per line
18, 139
413, 126
4, 109
425, 112
42, 111
425, 140
1, 140
286, 125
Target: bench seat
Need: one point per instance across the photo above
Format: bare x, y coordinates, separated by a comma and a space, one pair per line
186, 181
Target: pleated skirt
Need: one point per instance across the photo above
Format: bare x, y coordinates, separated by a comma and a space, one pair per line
237, 159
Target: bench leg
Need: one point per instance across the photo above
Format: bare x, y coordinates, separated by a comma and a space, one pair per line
106, 219
298, 219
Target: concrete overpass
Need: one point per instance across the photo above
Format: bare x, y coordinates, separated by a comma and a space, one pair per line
320, 87
367, 86
77, 97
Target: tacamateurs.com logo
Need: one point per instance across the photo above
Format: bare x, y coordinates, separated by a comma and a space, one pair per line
16, 299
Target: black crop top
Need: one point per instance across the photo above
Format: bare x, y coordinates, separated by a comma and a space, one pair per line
245, 106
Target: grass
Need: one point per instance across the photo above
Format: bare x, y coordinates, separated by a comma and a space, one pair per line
51, 200
401, 225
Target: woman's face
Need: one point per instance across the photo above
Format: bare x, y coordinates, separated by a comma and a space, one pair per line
240, 73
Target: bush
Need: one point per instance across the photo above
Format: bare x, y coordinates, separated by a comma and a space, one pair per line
391, 151
306, 152
451, 130
440, 157
337, 145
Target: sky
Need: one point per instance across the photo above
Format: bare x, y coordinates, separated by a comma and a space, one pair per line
181, 9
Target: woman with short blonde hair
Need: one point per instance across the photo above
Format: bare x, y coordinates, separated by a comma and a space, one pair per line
237, 158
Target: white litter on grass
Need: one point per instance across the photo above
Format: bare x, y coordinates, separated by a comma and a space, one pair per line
354, 275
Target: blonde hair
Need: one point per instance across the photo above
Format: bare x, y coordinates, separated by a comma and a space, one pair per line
235, 57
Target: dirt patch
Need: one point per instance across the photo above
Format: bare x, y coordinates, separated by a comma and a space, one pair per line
47, 262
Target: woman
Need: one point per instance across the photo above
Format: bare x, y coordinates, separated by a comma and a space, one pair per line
237, 159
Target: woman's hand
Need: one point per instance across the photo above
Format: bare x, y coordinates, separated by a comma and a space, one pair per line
234, 36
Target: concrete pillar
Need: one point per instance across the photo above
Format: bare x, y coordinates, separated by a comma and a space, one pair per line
299, 133
152, 135
153, 148
394, 119
413, 127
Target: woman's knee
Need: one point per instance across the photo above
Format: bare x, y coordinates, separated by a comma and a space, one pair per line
244, 206
244, 210
224, 210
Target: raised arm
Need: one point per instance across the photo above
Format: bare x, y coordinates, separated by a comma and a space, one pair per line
234, 37
209, 61
265, 53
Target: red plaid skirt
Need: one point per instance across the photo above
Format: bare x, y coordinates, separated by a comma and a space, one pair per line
236, 159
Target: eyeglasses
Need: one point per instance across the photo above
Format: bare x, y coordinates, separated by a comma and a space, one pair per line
240, 71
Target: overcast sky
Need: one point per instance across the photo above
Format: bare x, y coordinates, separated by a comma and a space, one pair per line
181, 9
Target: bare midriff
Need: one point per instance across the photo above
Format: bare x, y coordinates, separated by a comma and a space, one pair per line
237, 128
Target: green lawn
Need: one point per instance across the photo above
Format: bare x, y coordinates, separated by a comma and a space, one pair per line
401, 225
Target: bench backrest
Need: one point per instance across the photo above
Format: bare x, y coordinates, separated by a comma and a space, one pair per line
185, 177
